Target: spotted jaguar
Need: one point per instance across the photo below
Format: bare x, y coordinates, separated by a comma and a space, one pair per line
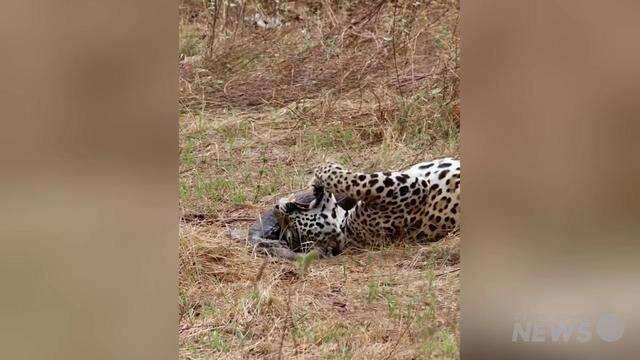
421, 203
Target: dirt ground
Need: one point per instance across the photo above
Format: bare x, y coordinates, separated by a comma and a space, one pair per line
370, 84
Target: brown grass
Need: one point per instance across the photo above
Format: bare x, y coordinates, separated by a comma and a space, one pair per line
373, 85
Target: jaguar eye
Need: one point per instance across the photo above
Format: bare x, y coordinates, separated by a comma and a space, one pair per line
290, 207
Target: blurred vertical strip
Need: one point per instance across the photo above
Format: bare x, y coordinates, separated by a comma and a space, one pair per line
88, 188
552, 204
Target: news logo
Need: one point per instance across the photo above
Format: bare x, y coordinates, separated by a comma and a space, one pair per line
608, 327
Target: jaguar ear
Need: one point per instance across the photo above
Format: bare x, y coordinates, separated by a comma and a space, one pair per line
318, 192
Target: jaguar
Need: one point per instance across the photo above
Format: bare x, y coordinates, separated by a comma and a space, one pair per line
420, 203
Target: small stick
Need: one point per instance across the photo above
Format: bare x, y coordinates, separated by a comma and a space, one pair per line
447, 272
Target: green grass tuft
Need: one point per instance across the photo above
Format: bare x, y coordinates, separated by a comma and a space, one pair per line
304, 262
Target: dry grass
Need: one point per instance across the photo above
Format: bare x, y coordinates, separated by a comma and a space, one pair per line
370, 84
